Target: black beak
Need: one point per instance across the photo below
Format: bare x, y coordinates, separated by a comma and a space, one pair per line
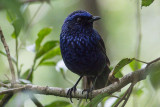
94, 18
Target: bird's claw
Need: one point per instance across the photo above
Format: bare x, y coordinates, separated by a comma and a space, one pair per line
69, 92
88, 91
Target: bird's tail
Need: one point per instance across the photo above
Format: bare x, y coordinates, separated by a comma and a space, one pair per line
101, 82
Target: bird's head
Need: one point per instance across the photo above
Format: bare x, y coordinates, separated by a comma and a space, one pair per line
80, 18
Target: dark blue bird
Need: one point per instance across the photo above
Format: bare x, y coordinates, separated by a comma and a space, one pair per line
83, 50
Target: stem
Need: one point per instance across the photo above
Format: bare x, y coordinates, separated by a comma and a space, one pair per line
4, 54
129, 93
31, 70
139, 39
139, 34
8, 56
35, 14
18, 71
35, 100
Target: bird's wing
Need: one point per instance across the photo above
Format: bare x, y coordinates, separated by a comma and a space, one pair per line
101, 45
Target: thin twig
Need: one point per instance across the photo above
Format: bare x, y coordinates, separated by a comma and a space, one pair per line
141, 61
18, 71
31, 70
139, 35
11, 90
128, 95
34, 99
5, 99
139, 39
123, 98
8, 56
154, 61
4, 54
115, 96
35, 14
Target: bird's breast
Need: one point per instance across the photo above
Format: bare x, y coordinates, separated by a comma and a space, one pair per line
78, 48
81, 54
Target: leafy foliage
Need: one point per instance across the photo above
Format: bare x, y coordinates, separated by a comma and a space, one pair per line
52, 53
1, 96
147, 2
139, 92
46, 48
120, 65
118, 74
41, 35
25, 74
14, 15
95, 101
132, 65
48, 63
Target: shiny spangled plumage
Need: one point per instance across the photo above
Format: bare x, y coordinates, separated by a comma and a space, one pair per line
82, 48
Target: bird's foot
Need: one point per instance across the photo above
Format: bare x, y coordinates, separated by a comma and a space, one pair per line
88, 92
69, 92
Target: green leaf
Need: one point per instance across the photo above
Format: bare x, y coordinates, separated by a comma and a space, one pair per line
121, 64
52, 53
154, 70
147, 2
118, 75
59, 104
95, 101
104, 100
25, 74
139, 92
133, 64
17, 27
17, 20
41, 35
4, 54
48, 63
46, 48
14, 6
13, 34
1, 96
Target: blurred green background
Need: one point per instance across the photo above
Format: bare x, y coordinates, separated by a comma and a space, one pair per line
118, 27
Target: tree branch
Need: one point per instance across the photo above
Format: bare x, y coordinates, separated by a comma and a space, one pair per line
129, 78
8, 56
35, 100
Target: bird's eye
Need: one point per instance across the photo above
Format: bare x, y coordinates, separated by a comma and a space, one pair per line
79, 19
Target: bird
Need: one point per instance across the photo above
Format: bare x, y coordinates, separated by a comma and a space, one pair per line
83, 51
